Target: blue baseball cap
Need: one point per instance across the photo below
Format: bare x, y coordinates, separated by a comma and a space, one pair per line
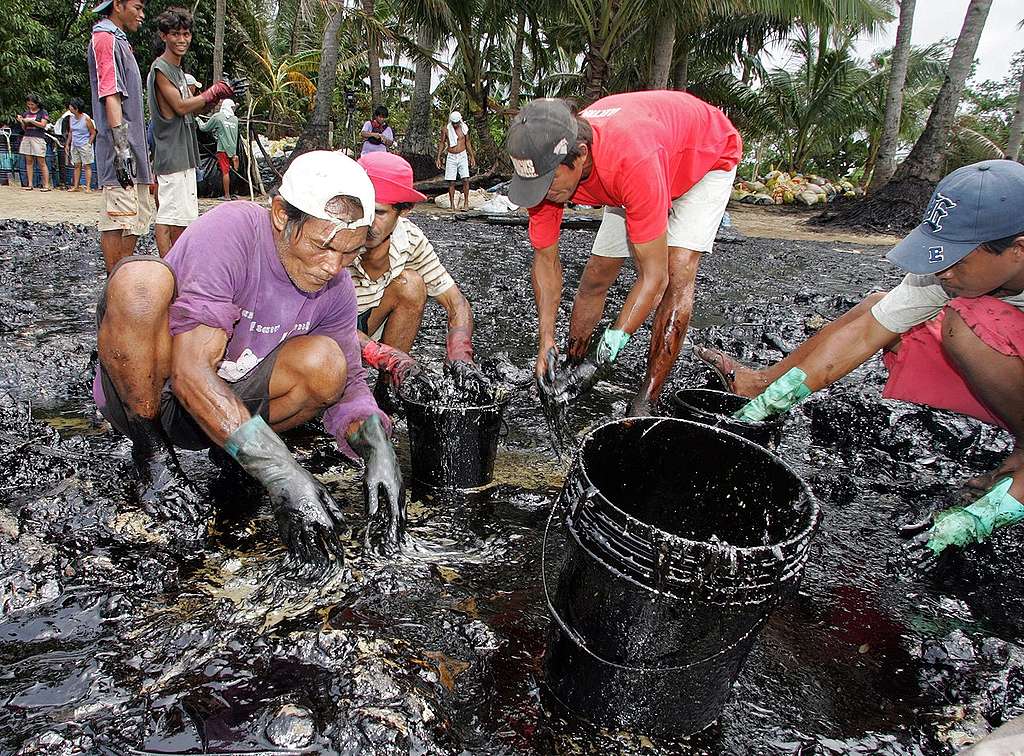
978, 203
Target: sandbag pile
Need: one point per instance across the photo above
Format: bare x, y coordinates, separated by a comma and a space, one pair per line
781, 188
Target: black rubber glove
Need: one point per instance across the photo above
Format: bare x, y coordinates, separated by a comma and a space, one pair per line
239, 87
576, 380
382, 469
469, 378
308, 519
124, 160
914, 554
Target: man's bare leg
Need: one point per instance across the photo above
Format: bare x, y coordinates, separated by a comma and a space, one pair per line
88, 178
588, 306
116, 245
465, 194
671, 321
225, 180
165, 236
451, 195
76, 181
751, 382
998, 381
309, 376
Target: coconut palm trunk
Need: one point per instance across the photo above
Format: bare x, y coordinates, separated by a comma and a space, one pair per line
515, 85
218, 39
373, 53
885, 161
661, 53
681, 75
418, 142
315, 135
924, 164
1013, 143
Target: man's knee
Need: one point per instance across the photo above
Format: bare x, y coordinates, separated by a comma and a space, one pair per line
956, 335
139, 292
322, 365
410, 288
599, 274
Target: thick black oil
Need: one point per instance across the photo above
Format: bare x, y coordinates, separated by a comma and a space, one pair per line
116, 634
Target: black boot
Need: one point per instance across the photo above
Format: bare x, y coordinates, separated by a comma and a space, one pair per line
162, 488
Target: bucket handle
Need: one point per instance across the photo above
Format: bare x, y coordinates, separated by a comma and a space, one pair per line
578, 640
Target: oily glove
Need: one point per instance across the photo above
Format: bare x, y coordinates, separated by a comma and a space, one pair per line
307, 517
124, 160
465, 373
224, 88
577, 379
382, 469
961, 526
781, 396
394, 362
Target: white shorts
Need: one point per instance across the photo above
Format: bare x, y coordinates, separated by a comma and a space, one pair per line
179, 198
82, 155
692, 222
457, 166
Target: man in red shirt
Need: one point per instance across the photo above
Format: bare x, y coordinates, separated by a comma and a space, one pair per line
662, 163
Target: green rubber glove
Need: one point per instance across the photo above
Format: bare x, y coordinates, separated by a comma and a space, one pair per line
611, 344
782, 395
959, 526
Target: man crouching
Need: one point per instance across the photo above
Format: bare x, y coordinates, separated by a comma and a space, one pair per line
248, 327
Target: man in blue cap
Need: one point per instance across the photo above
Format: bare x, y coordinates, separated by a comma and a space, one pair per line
952, 333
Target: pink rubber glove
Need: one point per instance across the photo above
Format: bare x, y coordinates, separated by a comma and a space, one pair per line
394, 362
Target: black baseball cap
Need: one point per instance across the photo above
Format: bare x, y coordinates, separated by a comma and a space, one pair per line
538, 141
978, 203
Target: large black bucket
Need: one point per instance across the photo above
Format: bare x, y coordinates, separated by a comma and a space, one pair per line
716, 408
453, 448
681, 541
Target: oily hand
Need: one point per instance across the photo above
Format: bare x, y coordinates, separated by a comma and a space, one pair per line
469, 378
308, 519
124, 160
382, 470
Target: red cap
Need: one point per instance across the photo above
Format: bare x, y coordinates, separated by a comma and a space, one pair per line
391, 177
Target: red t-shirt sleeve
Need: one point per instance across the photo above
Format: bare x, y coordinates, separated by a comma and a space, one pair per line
646, 198
106, 65
545, 224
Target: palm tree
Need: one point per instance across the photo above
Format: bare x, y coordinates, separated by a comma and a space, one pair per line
1016, 136
373, 52
885, 162
316, 134
218, 40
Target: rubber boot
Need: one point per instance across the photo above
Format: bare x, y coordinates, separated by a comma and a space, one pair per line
162, 488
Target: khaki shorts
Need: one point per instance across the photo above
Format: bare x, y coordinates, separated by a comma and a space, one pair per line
179, 198
33, 146
129, 211
82, 155
692, 222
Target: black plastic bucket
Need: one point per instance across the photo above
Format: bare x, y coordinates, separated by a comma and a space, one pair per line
681, 539
716, 408
453, 448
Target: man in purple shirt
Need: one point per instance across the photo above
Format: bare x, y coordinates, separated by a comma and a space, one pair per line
249, 325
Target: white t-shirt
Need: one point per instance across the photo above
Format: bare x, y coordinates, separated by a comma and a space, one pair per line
917, 299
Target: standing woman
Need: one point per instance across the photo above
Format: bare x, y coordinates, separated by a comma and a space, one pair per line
33, 144
80, 138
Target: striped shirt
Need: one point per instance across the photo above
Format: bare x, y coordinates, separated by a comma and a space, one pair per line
409, 250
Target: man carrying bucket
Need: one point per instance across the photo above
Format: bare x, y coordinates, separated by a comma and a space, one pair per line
662, 163
952, 335
247, 328
394, 274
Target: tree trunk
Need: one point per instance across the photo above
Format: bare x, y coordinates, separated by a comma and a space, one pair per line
515, 84
1013, 142
293, 43
885, 162
486, 149
899, 205
925, 160
315, 135
373, 55
218, 40
661, 53
595, 69
418, 142
680, 78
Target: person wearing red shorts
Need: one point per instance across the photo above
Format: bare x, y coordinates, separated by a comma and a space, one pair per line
952, 331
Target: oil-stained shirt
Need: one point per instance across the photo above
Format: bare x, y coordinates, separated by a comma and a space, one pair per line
918, 298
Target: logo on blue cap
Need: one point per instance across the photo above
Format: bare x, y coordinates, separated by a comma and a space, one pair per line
935, 255
938, 209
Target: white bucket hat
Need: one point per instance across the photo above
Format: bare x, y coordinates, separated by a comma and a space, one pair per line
315, 178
